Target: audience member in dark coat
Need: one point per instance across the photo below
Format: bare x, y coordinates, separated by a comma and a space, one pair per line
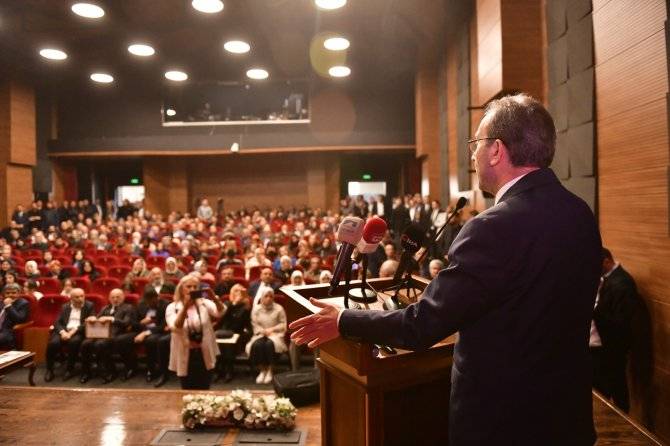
122, 317
14, 310
519, 290
69, 332
236, 320
153, 332
613, 316
399, 218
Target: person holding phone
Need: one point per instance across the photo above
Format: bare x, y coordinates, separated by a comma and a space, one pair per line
193, 348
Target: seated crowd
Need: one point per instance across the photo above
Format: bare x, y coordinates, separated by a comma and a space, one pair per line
129, 269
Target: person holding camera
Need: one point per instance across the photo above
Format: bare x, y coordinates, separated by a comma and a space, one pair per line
193, 348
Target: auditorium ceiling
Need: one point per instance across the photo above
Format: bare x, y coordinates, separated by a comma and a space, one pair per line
387, 38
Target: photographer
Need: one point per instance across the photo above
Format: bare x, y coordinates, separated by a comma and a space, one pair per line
193, 348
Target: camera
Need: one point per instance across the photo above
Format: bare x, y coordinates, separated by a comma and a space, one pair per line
195, 336
196, 294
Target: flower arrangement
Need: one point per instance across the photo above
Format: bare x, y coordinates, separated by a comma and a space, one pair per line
238, 409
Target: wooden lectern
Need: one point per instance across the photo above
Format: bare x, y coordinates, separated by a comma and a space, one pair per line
387, 399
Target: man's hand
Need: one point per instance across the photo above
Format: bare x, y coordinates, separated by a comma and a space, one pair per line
91, 319
146, 321
64, 335
317, 328
141, 337
7, 301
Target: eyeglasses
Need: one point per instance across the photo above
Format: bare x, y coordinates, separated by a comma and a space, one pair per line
472, 144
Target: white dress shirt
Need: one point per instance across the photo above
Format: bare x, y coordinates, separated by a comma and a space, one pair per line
75, 319
507, 187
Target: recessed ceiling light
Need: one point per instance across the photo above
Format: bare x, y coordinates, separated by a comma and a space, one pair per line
237, 46
336, 44
330, 4
88, 10
102, 78
140, 49
208, 6
53, 54
170, 112
339, 71
257, 73
178, 76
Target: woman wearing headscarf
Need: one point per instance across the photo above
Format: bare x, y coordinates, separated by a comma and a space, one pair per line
268, 321
172, 271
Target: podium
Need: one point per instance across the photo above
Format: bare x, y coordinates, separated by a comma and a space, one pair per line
370, 398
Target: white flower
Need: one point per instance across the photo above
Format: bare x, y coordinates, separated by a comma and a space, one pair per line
238, 414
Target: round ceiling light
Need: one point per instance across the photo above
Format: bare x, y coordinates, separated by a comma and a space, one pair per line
208, 6
170, 112
237, 46
177, 76
257, 73
336, 44
140, 49
53, 54
339, 71
330, 4
102, 78
88, 10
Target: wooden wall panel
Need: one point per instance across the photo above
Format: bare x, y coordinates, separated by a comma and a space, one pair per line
631, 76
22, 119
19, 186
427, 125
490, 51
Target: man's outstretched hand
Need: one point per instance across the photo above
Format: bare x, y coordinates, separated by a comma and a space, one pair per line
317, 328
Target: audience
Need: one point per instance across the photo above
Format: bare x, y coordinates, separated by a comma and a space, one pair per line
282, 243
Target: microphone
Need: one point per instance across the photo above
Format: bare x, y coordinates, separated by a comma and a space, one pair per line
460, 204
411, 241
349, 234
373, 232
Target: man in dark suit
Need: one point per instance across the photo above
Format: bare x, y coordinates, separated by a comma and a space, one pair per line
14, 310
519, 289
68, 332
122, 317
400, 218
154, 333
613, 317
256, 288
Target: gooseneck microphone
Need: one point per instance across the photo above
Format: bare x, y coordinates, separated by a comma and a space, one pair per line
412, 239
460, 204
349, 233
373, 233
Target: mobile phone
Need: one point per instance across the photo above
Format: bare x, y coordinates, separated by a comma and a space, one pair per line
196, 294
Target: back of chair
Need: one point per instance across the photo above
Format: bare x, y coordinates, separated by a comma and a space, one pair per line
99, 301
139, 284
105, 285
49, 285
82, 282
132, 298
118, 272
48, 309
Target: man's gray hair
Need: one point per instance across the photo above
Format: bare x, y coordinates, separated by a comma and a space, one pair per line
525, 127
12, 286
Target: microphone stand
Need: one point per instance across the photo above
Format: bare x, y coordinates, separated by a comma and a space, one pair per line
405, 283
347, 285
363, 295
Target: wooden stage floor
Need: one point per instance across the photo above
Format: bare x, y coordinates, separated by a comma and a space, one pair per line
113, 417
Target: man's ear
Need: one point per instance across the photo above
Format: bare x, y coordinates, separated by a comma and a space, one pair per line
496, 152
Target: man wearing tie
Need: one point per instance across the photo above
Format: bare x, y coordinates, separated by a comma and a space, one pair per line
14, 310
519, 289
68, 332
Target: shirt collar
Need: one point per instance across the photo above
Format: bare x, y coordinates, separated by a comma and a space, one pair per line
607, 274
507, 186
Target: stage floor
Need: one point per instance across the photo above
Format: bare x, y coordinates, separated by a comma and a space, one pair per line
113, 417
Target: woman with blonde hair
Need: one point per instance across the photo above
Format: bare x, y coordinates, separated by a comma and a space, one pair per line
236, 319
193, 348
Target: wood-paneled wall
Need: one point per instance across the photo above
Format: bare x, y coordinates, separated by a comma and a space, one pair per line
17, 146
303, 179
631, 75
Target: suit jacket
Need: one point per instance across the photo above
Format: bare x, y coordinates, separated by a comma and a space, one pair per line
64, 317
614, 312
16, 313
166, 288
143, 308
399, 219
253, 287
519, 289
125, 318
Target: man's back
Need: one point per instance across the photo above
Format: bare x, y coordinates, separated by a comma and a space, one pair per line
520, 290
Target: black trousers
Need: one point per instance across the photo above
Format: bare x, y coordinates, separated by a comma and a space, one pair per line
7, 340
124, 345
226, 360
609, 375
158, 352
262, 352
197, 377
101, 350
71, 346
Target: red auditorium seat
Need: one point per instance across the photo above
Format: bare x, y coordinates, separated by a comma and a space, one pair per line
18, 261
44, 270
254, 273
155, 261
102, 270
49, 285
83, 283
99, 301
32, 253
139, 284
211, 270
19, 328
132, 298
166, 296
64, 260
238, 270
242, 281
105, 285
106, 260
38, 259
72, 270
118, 272
48, 309
128, 260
